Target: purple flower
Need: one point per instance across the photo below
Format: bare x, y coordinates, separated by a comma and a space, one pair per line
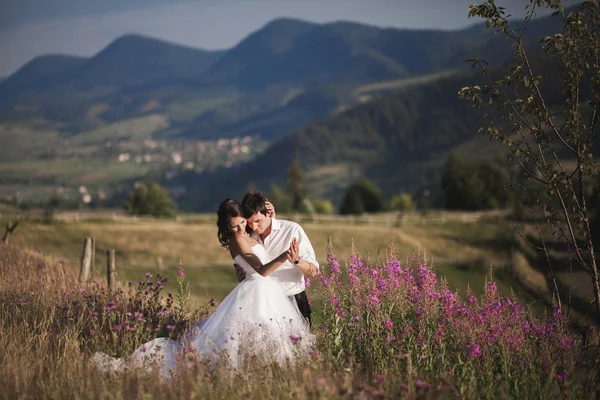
307, 282
374, 299
471, 299
567, 342
162, 313
381, 284
148, 275
213, 303
180, 273
561, 376
474, 351
380, 379
170, 327
422, 384
557, 315
389, 325
334, 264
393, 268
294, 339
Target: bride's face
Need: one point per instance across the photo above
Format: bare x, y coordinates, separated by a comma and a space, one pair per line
237, 225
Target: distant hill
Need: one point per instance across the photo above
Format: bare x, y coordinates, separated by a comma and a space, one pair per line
246, 90
37, 72
381, 139
131, 60
293, 51
288, 110
400, 141
349, 99
135, 60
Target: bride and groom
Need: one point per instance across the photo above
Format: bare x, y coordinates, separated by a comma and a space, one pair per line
267, 315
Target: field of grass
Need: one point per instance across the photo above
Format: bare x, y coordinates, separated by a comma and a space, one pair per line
135, 128
463, 253
398, 84
74, 172
382, 332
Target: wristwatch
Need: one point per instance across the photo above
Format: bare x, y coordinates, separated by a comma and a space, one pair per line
297, 262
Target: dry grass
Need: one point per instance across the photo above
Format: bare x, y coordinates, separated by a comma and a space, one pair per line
461, 252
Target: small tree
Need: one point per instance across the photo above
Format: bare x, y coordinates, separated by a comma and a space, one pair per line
370, 195
323, 207
539, 138
281, 202
151, 200
362, 196
307, 207
352, 202
295, 185
463, 188
402, 202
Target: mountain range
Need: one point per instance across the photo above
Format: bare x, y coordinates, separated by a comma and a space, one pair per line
260, 75
347, 98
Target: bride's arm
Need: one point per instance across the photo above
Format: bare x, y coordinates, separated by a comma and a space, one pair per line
247, 254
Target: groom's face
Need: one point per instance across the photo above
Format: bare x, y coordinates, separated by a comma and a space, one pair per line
259, 222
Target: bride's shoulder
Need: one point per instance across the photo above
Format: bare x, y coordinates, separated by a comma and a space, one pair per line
240, 242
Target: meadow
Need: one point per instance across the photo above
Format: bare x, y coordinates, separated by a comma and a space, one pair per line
463, 253
388, 326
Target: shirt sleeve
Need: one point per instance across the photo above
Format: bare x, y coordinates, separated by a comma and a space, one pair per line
307, 253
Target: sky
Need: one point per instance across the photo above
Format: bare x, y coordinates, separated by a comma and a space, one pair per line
29, 28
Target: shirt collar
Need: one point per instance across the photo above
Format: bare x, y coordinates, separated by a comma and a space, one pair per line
275, 224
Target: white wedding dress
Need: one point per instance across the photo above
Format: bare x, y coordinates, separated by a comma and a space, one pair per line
256, 319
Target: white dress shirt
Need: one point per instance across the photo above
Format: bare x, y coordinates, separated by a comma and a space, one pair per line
278, 241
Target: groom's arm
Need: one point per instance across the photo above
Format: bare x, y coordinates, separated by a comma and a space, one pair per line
308, 264
308, 269
240, 274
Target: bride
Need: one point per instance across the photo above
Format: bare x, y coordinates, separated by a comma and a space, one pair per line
255, 320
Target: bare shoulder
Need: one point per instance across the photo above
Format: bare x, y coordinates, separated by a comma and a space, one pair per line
242, 244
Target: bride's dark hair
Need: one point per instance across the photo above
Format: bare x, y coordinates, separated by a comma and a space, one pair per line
229, 208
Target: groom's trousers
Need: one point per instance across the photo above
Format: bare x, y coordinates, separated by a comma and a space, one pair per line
303, 306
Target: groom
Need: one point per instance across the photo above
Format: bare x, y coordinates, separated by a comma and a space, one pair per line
275, 235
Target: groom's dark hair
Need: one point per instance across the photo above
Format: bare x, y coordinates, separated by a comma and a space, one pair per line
254, 202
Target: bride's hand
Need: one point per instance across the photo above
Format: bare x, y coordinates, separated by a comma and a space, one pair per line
270, 209
293, 252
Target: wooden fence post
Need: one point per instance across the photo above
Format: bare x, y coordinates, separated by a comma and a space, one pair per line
86, 260
10, 227
92, 267
160, 263
110, 270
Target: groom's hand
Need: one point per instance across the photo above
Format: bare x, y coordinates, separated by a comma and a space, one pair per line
239, 273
